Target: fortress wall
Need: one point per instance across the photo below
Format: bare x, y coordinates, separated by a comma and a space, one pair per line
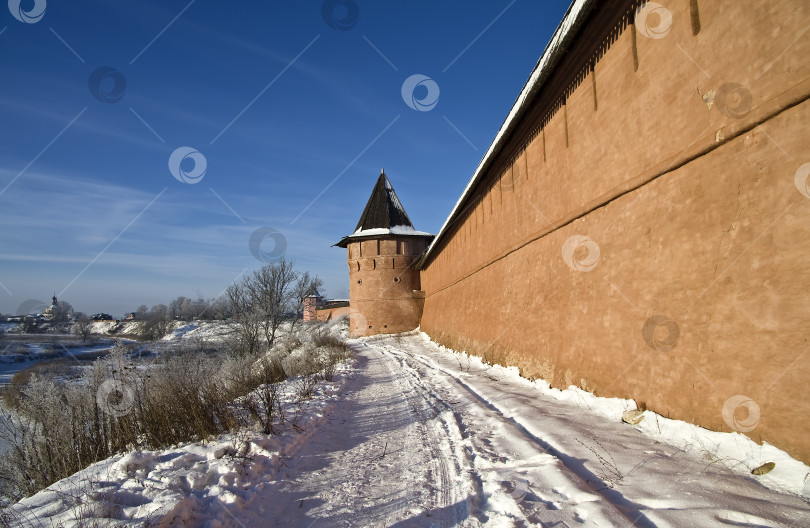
330, 314
697, 255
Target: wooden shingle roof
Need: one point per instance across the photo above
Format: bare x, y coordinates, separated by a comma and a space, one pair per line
383, 216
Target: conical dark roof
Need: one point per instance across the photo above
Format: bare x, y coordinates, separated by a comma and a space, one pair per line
383, 209
383, 215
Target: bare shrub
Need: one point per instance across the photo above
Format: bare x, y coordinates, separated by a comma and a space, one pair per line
154, 328
52, 435
322, 338
238, 375
305, 386
288, 345
266, 407
83, 327
333, 349
57, 428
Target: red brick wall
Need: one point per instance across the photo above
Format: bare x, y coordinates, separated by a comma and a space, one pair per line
651, 241
330, 314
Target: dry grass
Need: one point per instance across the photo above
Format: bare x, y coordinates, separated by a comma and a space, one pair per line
57, 427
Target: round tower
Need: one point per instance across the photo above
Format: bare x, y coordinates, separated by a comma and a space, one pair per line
384, 289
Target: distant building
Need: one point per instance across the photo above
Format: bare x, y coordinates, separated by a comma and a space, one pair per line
311, 303
50, 312
316, 308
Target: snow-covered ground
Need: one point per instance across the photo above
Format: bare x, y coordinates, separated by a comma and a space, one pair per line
415, 435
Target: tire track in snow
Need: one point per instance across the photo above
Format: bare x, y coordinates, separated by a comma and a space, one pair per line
376, 461
438, 436
630, 512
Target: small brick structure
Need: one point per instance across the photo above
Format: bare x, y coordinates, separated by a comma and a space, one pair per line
311, 307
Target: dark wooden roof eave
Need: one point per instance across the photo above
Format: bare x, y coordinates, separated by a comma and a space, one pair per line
345, 241
578, 51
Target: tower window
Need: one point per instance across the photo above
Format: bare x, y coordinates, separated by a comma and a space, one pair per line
396, 279
359, 281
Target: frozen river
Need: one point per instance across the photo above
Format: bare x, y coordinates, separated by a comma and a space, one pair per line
37, 350
7, 370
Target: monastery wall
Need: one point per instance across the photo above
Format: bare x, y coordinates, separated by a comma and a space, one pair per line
651, 241
330, 314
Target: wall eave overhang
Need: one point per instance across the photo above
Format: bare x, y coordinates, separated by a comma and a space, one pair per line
566, 34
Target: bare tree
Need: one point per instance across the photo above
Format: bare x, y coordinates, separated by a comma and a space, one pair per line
219, 308
83, 327
158, 323
177, 307
240, 304
272, 288
62, 312
28, 324
261, 300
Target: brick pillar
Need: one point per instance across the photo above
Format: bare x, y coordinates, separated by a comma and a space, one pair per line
310, 308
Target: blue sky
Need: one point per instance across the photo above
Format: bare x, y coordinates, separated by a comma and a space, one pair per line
293, 107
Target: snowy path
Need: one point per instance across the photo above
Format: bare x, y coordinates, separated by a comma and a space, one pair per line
420, 439
387, 456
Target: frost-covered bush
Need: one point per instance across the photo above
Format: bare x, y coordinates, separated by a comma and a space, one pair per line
265, 403
181, 400
56, 427
154, 328
53, 433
